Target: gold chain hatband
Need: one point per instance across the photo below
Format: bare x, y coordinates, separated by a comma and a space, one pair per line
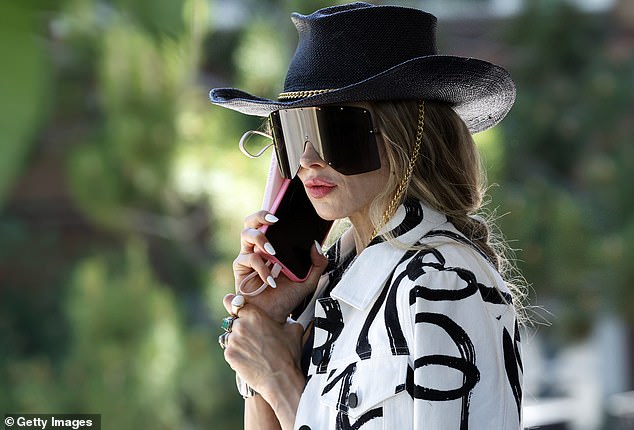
291, 95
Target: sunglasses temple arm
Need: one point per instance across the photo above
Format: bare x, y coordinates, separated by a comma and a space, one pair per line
244, 138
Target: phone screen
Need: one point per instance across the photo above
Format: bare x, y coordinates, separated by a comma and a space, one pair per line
298, 227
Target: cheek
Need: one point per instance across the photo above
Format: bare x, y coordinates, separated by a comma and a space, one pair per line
378, 185
372, 185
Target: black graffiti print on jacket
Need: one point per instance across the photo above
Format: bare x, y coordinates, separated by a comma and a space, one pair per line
464, 364
331, 324
513, 364
414, 215
433, 260
398, 344
441, 330
344, 381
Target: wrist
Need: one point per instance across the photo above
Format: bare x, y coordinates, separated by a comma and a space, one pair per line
283, 393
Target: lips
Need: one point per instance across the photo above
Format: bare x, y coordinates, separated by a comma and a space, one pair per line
319, 187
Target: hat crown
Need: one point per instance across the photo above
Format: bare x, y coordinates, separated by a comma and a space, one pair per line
344, 45
361, 52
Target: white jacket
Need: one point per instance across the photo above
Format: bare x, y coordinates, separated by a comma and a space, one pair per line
412, 339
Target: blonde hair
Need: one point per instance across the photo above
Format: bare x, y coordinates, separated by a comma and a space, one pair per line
448, 175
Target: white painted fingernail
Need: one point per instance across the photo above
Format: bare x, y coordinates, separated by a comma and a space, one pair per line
238, 300
271, 218
318, 248
271, 282
269, 248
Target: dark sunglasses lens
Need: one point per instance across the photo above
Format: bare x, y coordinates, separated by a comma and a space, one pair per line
348, 140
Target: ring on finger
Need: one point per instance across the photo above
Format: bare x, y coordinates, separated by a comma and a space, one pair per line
223, 340
227, 323
237, 303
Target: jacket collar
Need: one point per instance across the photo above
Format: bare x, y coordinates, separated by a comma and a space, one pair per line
363, 280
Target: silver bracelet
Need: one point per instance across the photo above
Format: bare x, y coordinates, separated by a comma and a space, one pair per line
244, 389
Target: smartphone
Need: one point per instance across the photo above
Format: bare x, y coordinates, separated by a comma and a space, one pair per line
295, 233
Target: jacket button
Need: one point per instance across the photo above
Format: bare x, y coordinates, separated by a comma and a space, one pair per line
318, 356
353, 400
304, 427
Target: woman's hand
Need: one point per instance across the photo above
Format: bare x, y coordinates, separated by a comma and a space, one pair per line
278, 302
266, 355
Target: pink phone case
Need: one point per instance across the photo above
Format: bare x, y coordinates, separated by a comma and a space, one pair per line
274, 191
272, 209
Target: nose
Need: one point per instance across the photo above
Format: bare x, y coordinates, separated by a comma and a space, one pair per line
310, 158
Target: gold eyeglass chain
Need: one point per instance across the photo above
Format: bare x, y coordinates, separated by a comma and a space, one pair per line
402, 186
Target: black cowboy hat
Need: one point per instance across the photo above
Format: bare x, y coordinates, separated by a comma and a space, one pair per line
361, 52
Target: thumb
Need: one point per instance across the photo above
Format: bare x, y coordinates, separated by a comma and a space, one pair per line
226, 301
293, 329
320, 262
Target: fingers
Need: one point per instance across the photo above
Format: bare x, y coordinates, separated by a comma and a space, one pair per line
244, 264
317, 256
259, 219
251, 238
233, 303
252, 320
320, 262
258, 345
226, 301
223, 340
294, 329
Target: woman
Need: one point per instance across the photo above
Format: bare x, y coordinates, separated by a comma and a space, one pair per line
407, 321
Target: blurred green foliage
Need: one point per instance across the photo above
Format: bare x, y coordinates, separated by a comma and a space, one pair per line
122, 194
113, 268
568, 156
24, 82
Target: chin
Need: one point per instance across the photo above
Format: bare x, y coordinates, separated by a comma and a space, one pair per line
328, 215
328, 212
